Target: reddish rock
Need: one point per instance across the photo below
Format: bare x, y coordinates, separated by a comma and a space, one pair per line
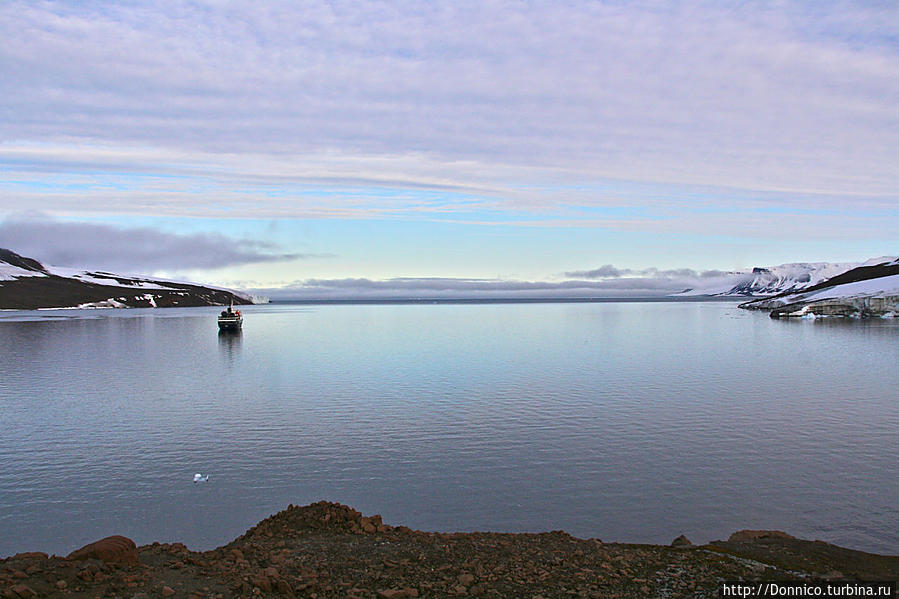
752, 535
167, 591
23, 591
261, 581
392, 594
30, 555
681, 541
113, 550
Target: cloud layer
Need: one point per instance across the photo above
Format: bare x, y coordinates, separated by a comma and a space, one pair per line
717, 122
653, 283
608, 271
129, 251
785, 96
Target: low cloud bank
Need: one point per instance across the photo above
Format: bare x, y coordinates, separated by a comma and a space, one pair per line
651, 283
130, 251
608, 271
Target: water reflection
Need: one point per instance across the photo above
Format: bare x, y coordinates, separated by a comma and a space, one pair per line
229, 344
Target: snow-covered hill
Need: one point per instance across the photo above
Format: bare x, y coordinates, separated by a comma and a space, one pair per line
26, 284
772, 280
871, 289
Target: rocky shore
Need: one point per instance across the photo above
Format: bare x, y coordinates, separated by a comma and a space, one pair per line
330, 550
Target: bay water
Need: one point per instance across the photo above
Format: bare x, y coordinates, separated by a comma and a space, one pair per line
627, 421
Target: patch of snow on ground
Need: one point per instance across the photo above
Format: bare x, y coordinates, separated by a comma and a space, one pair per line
8, 272
100, 278
871, 288
881, 260
110, 303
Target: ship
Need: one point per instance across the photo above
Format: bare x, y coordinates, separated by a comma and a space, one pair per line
230, 319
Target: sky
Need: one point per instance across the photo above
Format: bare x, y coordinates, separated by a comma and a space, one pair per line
345, 149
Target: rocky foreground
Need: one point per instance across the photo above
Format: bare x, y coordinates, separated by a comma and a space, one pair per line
330, 550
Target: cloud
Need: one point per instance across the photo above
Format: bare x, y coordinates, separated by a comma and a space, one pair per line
608, 271
701, 121
650, 282
789, 96
130, 251
603, 272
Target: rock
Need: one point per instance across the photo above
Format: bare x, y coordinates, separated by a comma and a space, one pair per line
397, 593
262, 581
752, 535
466, 579
140, 596
30, 555
167, 591
61, 584
681, 541
283, 587
23, 591
114, 550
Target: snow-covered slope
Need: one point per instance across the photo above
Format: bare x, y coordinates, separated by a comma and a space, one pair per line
27, 284
772, 280
868, 290
8, 272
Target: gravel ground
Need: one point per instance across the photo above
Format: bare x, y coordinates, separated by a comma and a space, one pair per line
330, 550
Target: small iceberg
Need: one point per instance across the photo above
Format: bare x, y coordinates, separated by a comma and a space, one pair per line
199, 478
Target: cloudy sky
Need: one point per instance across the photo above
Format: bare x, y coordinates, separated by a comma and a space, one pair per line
521, 147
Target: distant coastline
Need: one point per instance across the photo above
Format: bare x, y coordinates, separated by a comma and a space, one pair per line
517, 300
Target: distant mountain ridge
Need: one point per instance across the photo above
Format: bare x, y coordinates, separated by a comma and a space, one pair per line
26, 284
772, 280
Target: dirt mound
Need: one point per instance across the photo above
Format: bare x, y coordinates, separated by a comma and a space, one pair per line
112, 550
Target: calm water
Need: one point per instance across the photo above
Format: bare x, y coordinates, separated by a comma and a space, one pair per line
625, 421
